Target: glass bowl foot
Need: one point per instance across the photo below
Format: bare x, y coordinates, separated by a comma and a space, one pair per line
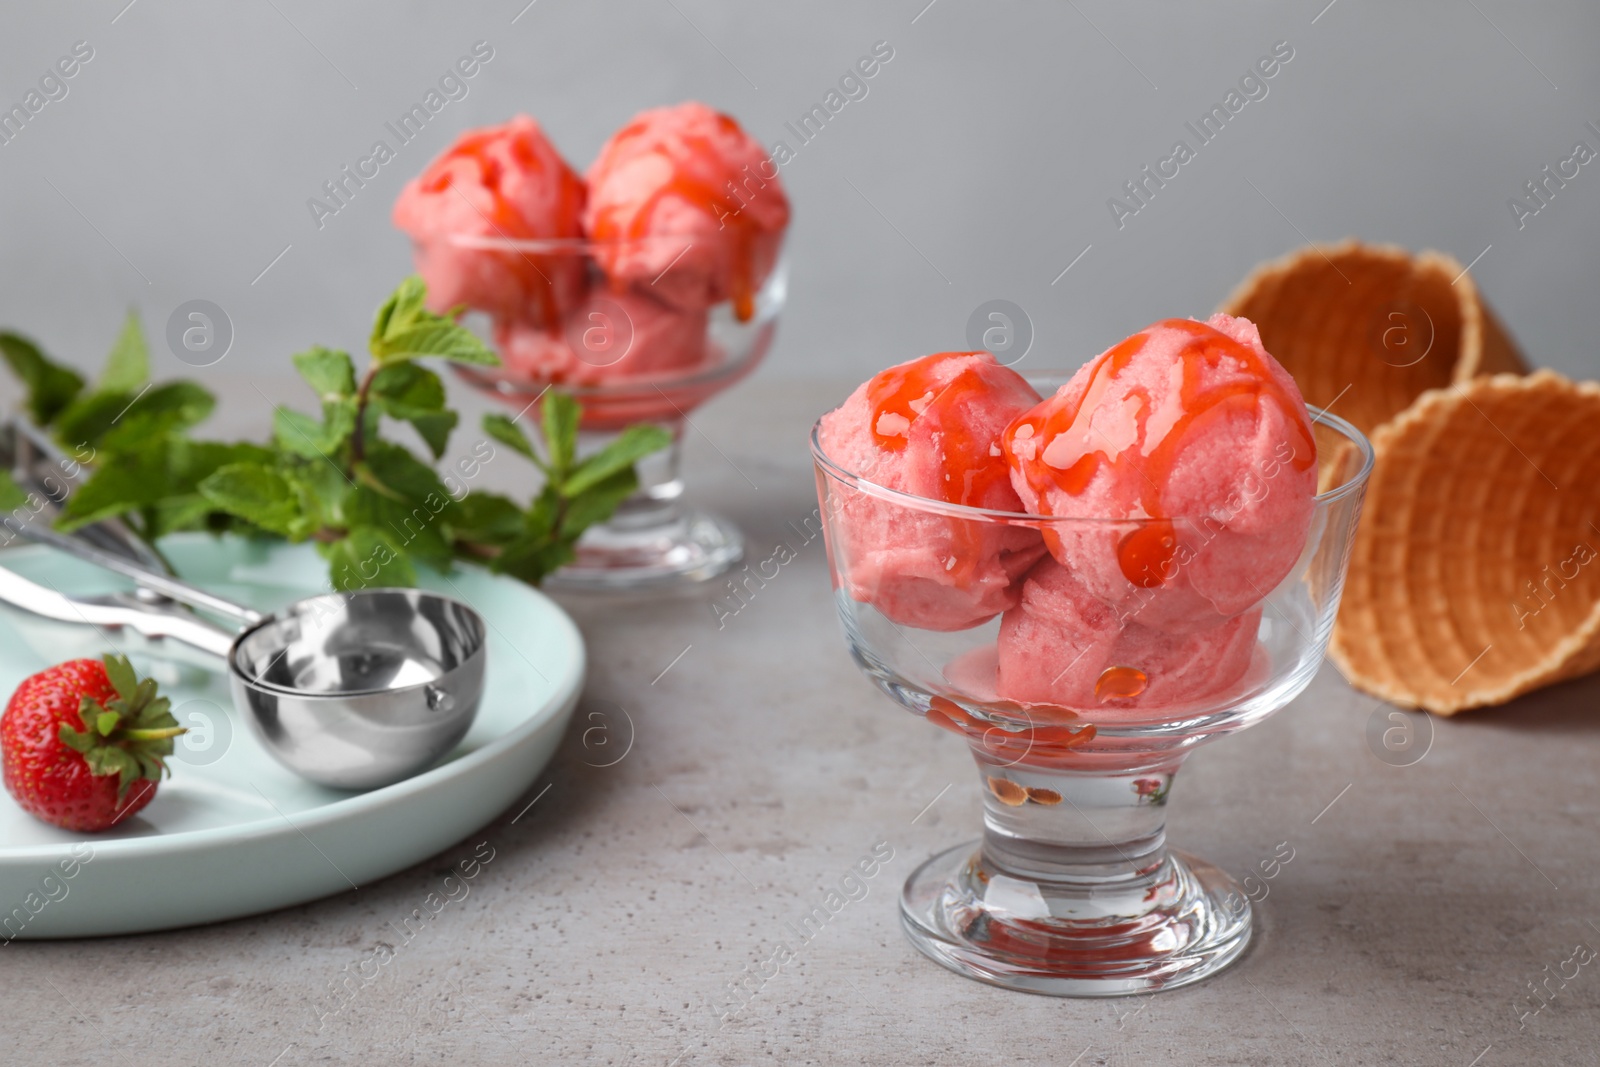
684, 547
1181, 922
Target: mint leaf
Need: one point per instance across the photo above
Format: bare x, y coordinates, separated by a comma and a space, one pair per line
12, 495
598, 503
414, 394
128, 365
119, 420
415, 527
51, 387
435, 430
406, 329
255, 493
401, 308
441, 338
88, 417
301, 435
532, 558
403, 475
409, 388
631, 445
166, 469
507, 432
160, 410
186, 512
189, 462
543, 514
559, 420
123, 482
367, 558
329, 372
485, 518
339, 419
323, 490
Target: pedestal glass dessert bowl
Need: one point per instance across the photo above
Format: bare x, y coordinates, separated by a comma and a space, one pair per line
1080, 709
633, 351
641, 287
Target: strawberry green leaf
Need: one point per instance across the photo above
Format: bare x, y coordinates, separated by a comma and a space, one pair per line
122, 676
78, 740
130, 737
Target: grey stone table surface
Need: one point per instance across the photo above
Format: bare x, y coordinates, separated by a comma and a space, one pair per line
1421, 905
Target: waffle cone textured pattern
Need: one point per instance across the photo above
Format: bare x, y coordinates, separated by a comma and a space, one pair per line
1475, 575
1366, 329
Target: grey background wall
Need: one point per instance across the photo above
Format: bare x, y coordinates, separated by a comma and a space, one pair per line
978, 165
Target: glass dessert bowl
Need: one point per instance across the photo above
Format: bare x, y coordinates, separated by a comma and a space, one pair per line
1079, 712
641, 288
628, 356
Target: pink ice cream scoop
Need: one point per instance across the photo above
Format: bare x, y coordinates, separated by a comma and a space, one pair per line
608, 336
1188, 454
684, 201
497, 183
1064, 646
1193, 429
930, 428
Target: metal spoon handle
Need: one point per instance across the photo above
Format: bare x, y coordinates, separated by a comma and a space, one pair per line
111, 620
165, 584
39, 465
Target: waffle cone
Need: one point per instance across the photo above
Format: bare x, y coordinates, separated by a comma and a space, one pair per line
1366, 329
1475, 573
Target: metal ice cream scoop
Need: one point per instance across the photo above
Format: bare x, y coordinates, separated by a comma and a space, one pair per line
351, 690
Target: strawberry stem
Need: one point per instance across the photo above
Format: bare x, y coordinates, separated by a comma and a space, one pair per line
152, 735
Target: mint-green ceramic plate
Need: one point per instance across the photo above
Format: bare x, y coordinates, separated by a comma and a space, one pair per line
232, 833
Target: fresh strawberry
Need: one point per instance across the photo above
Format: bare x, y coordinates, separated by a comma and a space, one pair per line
95, 777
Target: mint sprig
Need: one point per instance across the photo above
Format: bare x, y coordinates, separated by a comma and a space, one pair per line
374, 508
